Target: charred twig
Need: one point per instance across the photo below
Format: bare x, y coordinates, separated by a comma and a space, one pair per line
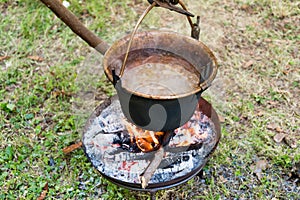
151, 168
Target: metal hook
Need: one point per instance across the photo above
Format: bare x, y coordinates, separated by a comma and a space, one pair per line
170, 4
196, 29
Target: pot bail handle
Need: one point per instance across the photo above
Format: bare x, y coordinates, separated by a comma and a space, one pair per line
168, 4
149, 8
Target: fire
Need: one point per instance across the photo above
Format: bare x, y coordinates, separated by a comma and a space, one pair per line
146, 140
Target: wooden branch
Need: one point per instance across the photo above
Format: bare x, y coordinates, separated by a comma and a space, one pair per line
72, 147
76, 26
151, 168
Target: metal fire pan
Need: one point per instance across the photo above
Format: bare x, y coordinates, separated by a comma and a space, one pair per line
205, 107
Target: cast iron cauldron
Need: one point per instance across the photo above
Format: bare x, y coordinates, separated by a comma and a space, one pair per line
158, 113
154, 112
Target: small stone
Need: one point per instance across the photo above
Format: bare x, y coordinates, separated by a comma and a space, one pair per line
279, 137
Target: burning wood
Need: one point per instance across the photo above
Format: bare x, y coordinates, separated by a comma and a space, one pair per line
146, 140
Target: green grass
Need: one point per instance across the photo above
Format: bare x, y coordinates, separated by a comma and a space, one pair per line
40, 101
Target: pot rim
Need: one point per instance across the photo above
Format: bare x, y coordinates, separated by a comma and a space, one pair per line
202, 86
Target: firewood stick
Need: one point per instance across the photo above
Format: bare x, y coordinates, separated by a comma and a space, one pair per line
72, 147
151, 168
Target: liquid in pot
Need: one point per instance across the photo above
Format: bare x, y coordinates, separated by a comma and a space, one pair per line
156, 72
